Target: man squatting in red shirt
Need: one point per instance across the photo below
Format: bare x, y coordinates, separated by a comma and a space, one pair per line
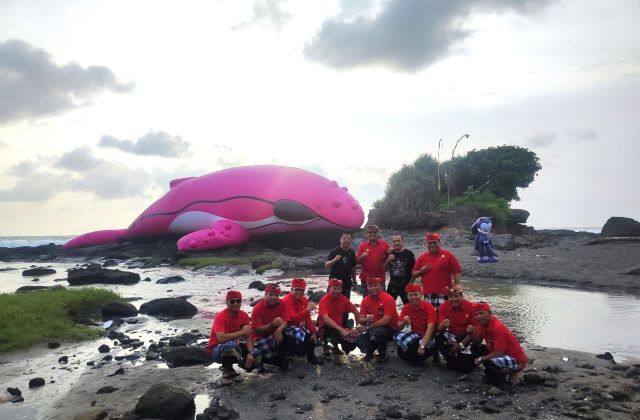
416, 344
378, 321
333, 308
229, 327
269, 318
301, 329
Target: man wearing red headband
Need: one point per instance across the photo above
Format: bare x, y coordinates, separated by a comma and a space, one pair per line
371, 256
436, 267
455, 317
269, 319
334, 307
378, 321
229, 327
342, 263
416, 343
301, 329
504, 358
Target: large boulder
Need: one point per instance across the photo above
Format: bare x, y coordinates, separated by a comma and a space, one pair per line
169, 307
504, 242
186, 356
518, 216
96, 274
170, 279
38, 271
118, 309
162, 401
621, 226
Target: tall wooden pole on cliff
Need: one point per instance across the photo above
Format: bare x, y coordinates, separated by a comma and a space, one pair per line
451, 169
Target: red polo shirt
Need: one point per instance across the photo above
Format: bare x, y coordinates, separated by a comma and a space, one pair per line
379, 306
226, 322
334, 307
263, 314
372, 265
298, 313
443, 266
499, 338
422, 316
458, 318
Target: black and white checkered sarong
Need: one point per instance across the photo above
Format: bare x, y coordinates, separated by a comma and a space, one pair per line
299, 334
375, 336
436, 299
265, 347
405, 338
506, 362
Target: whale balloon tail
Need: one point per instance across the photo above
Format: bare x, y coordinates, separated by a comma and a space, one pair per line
99, 237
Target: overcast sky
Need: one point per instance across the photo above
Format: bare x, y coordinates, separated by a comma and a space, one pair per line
103, 103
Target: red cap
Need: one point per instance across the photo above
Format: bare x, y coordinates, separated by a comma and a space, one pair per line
372, 280
481, 306
412, 287
298, 284
233, 294
272, 288
432, 237
335, 282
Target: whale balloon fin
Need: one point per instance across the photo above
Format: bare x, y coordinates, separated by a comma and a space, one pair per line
222, 233
98, 237
175, 182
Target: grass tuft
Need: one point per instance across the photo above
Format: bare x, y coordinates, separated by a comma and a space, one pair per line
205, 261
41, 316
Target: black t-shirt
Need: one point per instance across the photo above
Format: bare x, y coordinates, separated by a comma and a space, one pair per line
401, 267
342, 269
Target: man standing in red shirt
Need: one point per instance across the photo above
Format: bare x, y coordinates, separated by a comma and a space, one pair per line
436, 268
378, 321
301, 329
416, 343
269, 319
333, 309
371, 256
230, 326
454, 318
504, 357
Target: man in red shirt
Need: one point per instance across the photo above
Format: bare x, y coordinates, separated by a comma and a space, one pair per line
371, 256
269, 319
503, 358
436, 268
378, 321
301, 329
333, 309
418, 318
229, 327
454, 318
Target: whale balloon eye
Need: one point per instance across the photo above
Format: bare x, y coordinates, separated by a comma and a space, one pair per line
292, 211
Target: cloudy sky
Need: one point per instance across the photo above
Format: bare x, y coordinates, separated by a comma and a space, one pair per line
103, 103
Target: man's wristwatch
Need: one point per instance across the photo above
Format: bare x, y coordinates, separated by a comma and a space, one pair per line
461, 346
421, 346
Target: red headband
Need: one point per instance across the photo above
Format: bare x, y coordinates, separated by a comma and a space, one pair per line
272, 288
372, 280
335, 282
481, 306
298, 284
233, 294
432, 237
412, 287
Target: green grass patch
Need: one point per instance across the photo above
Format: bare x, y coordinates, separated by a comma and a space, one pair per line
41, 316
265, 267
487, 204
205, 261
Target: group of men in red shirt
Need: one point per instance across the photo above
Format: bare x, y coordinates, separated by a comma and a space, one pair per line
436, 320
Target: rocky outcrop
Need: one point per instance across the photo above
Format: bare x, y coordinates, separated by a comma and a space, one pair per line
621, 227
96, 274
169, 308
518, 216
38, 271
162, 401
186, 356
170, 279
118, 309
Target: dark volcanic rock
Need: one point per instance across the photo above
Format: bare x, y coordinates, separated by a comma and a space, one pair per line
518, 216
63, 359
104, 349
36, 382
14, 391
106, 390
316, 296
504, 242
186, 356
166, 402
257, 284
621, 226
169, 307
96, 274
170, 279
38, 271
118, 309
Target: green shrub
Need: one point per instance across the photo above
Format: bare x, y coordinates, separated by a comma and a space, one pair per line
36, 317
486, 203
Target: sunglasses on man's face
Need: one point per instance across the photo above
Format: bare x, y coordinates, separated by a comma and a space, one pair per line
296, 289
234, 301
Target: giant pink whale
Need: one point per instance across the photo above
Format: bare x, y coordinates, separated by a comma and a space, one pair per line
229, 207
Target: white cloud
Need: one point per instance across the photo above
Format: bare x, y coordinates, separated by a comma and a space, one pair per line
542, 139
154, 143
37, 187
79, 160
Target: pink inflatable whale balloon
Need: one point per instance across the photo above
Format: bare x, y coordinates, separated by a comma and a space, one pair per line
228, 207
